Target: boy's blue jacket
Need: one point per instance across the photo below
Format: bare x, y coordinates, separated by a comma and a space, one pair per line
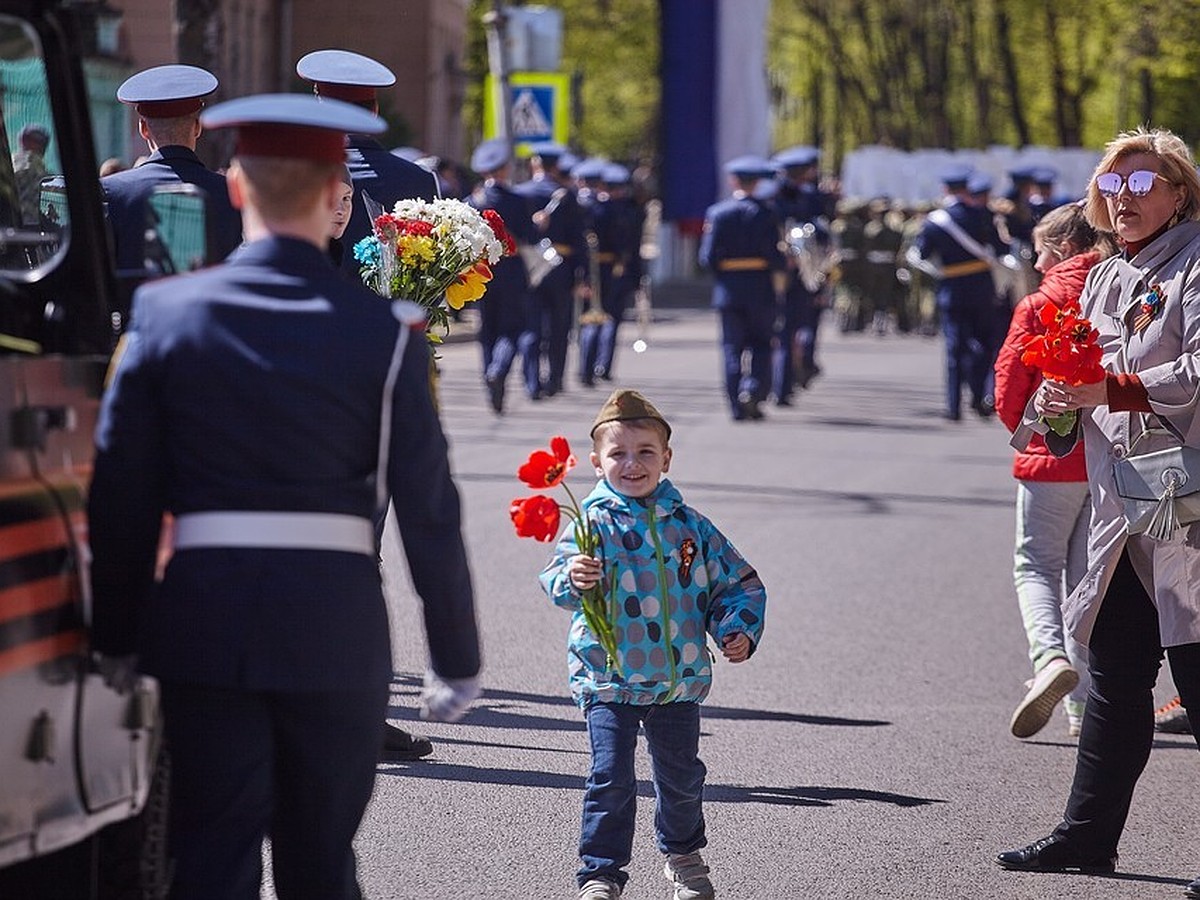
676, 575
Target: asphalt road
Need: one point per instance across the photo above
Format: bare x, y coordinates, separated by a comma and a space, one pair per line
864, 750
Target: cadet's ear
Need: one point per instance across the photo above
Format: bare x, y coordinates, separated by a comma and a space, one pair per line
236, 185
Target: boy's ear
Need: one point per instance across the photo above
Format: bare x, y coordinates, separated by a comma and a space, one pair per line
594, 459
666, 460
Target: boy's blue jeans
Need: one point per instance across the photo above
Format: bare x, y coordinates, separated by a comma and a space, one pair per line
610, 799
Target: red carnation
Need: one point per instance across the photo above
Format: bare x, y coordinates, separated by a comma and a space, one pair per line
500, 230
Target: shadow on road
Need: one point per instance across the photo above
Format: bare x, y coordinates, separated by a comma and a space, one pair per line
713, 793
487, 713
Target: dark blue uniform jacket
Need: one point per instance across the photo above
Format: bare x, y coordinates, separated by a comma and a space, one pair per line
257, 385
126, 194
935, 242
741, 228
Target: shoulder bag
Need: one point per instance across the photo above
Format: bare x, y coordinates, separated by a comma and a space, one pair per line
1160, 490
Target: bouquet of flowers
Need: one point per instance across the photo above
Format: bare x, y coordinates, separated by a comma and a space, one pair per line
539, 516
437, 253
1067, 351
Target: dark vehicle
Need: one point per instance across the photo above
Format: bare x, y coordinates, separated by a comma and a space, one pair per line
82, 776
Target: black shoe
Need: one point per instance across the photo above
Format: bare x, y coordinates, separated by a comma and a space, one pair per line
400, 744
985, 408
1193, 889
749, 407
784, 401
554, 387
952, 416
496, 394
1052, 854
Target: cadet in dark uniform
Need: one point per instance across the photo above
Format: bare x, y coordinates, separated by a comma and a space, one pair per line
799, 201
272, 406
966, 292
386, 177
617, 221
354, 78
559, 218
740, 246
509, 321
168, 100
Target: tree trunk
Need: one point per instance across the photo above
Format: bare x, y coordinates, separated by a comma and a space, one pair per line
1012, 84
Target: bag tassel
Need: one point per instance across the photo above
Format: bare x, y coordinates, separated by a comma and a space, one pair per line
1165, 521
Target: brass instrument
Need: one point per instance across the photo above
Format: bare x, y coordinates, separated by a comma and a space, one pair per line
594, 314
813, 252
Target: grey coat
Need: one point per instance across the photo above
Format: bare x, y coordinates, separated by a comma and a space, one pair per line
1166, 357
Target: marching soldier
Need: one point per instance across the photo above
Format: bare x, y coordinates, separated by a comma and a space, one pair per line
617, 220
559, 218
386, 178
962, 239
272, 406
740, 246
508, 321
798, 201
168, 101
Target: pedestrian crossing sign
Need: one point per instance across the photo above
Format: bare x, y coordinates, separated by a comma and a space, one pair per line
539, 109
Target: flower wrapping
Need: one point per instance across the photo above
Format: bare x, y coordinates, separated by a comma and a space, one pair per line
436, 253
1067, 351
539, 517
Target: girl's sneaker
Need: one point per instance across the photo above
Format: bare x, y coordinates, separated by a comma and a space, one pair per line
689, 875
599, 889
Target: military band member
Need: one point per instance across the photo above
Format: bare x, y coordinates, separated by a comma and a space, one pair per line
966, 292
559, 218
740, 246
508, 319
798, 200
354, 78
168, 101
272, 406
617, 221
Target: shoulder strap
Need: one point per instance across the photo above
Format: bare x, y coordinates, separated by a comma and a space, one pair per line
942, 220
409, 315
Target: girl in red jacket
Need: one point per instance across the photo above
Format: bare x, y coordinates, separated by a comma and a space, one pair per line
1052, 493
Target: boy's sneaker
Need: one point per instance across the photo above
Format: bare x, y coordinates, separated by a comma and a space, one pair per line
599, 889
1172, 718
1057, 679
689, 875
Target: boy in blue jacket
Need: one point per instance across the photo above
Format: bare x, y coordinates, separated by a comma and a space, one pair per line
677, 579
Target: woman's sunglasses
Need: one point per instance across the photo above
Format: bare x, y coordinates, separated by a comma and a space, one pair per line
1140, 183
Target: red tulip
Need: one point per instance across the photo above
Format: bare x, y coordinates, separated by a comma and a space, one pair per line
547, 470
536, 517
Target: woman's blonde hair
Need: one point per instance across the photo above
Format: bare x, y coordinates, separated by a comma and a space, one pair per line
1177, 167
1067, 230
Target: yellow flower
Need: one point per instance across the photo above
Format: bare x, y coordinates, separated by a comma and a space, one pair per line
469, 285
414, 249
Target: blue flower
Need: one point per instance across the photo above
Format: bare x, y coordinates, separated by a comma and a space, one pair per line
366, 251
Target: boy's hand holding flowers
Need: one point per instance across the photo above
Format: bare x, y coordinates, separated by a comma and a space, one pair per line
584, 572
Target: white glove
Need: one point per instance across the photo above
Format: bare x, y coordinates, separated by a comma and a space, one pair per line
447, 699
119, 672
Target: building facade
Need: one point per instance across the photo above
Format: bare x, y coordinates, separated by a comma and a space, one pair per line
252, 47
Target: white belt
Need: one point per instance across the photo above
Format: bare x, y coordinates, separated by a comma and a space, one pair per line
275, 530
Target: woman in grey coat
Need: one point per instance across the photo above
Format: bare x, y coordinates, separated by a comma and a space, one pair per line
1141, 594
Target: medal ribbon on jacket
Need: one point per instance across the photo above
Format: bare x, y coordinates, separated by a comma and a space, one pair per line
1150, 306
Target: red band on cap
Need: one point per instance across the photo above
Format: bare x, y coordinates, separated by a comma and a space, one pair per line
351, 93
292, 142
169, 109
